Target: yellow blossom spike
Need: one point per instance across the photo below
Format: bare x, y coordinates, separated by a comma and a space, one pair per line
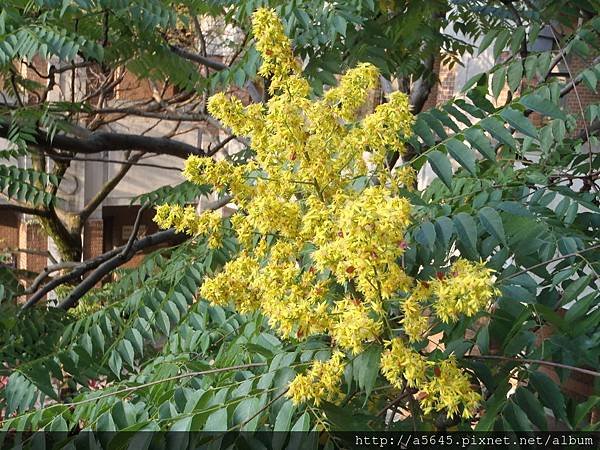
467, 289
450, 391
399, 363
321, 382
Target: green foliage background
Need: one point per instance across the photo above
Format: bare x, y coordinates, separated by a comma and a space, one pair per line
141, 353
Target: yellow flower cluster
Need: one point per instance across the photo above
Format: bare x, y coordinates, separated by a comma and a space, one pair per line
368, 231
450, 390
352, 91
352, 326
400, 362
466, 290
185, 219
447, 389
234, 284
321, 244
321, 382
415, 320
274, 46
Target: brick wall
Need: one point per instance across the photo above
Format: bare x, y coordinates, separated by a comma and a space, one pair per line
586, 96
93, 235
9, 231
443, 89
33, 238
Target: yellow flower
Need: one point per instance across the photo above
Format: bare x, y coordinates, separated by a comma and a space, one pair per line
353, 89
304, 220
274, 46
450, 391
233, 285
467, 289
185, 219
351, 325
415, 320
321, 382
406, 177
399, 363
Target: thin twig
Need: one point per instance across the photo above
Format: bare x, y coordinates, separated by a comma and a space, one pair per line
543, 263
536, 361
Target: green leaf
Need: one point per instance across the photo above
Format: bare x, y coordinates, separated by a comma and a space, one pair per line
340, 24
530, 66
519, 122
422, 129
126, 350
583, 410
217, 421
425, 235
368, 364
472, 82
575, 288
496, 128
302, 424
441, 166
515, 75
284, 417
514, 208
492, 407
549, 394
581, 307
477, 139
434, 124
498, 81
590, 79
115, 363
444, 229
516, 417
467, 232
492, 222
542, 106
282, 424
184, 424
516, 39
162, 321
463, 154
532, 406
501, 42
487, 40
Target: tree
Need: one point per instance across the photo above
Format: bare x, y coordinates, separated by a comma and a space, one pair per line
449, 299
158, 42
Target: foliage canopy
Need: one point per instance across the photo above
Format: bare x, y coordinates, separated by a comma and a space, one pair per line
340, 295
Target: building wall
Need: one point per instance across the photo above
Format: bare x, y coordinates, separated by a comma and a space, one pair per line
9, 232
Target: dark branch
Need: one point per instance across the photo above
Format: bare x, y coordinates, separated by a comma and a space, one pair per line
116, 261
108, 187
125, 254
216, 65
98, 142
24, 209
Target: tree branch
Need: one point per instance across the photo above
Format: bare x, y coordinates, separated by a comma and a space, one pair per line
421, 88
108, 187
105, 263
113, 263
98, 142
578, 79
216, 65
535, 361
185, 54
127, 252
24, 209
46, 272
